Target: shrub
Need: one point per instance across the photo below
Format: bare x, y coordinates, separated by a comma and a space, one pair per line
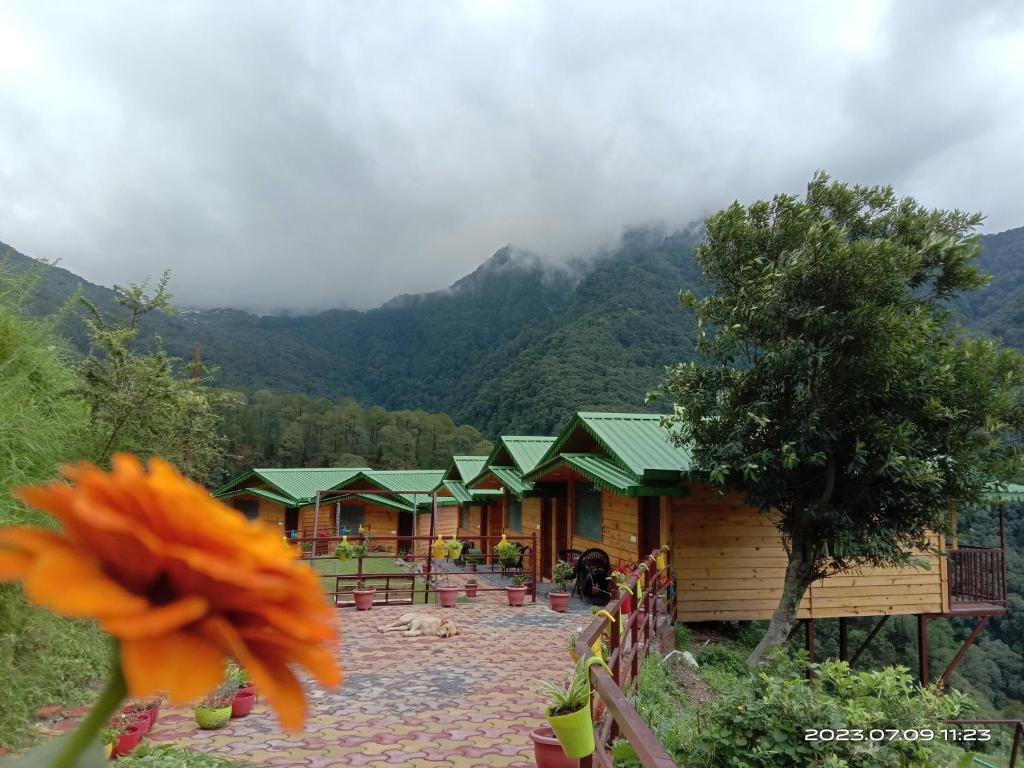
763, 724
724, 658
683, 637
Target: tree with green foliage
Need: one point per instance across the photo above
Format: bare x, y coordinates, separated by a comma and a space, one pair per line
140, 402
836, 391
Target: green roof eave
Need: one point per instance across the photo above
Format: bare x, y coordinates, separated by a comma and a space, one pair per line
605, 474
458, 491
485, 494
1012, 492
263, 492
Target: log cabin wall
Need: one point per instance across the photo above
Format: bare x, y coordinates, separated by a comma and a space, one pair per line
382, 520
471, 531
619, 527
447, 525
730, 563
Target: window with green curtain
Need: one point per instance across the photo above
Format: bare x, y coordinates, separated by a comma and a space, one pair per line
587, 512
464, 516
515, 515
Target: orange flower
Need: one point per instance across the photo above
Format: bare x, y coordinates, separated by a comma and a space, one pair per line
181, 580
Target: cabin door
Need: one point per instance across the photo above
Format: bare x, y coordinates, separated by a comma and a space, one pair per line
291, 520
546, 524
405, 529
649, 525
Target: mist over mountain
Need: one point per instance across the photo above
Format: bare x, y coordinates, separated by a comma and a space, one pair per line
514, 346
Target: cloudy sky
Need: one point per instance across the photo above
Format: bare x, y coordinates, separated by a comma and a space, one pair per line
296, 156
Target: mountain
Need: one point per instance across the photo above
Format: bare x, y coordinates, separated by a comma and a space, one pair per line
513, 347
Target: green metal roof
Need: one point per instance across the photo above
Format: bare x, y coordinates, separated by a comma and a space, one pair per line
1013, 492
636, 441
521, 452
458, 491
606, 474
465, 468
399, 480
511, 478
298, 486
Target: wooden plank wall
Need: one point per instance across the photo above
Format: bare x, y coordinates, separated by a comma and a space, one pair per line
730, 564
473, 531
271, 512
447, 525
619, 518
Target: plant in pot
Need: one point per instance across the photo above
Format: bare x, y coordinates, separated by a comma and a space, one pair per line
344, 551
363, 596
517, 591
128, 732
561, 574
214, 710
618, 578
454, 548
568, 711
148, 708
471, 587
245, 694
473, 558
108, 738
507, 552
447, 595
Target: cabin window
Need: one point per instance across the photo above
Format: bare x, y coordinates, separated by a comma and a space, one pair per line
515, 515
351, 516
587, 513
248, 507
464, 516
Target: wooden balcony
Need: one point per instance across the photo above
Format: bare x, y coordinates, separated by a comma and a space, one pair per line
977, 581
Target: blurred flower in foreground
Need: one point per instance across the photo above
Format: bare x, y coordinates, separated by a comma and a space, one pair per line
181, 581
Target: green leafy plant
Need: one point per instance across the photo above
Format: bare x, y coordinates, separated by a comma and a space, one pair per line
570, 695
474, 556
507, 552
562, 573
344, 550
471, 581
362, 549
519, 580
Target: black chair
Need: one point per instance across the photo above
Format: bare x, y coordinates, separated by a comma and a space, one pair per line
570, 556
592, 571
466, 546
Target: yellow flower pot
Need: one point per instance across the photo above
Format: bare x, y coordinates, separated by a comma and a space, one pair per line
659, 561
440, 548
575, 732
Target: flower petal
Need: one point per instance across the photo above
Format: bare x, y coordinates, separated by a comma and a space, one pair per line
158, 621
182, 664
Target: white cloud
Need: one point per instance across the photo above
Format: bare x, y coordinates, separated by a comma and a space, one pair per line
284, 156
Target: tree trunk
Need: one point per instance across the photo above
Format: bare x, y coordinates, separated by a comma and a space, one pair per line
799, 576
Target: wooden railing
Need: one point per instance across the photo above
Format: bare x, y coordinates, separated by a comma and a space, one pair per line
630, 637
424, 575
977, 575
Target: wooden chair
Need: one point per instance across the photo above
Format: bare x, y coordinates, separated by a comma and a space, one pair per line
592, 571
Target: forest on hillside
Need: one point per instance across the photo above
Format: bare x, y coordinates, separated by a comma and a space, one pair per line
267, 430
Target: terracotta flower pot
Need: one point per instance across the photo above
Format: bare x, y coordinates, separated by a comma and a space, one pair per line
547, 752
449, 596
363, 598
471, 590
153, 713
559, 601
126, 741
470, 567
247, 688
210, 719
142, 718
241, 705
516, 595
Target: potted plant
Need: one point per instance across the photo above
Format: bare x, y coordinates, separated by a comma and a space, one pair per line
473, 558
245, 693
363, 596
132, 716
126, 736
344, 550
561, 574
517, 591
409, 556
448, 596
214, 710
618, 578
568, 710
108, 738
439, 548
548, 752
471, 587
454, 548
362, 549
507, 552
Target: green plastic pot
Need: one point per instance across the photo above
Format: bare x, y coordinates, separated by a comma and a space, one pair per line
575, 732
210, 718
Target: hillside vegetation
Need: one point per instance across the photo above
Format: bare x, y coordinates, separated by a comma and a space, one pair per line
514, 347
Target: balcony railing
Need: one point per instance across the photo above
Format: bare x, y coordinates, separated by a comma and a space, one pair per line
977, 575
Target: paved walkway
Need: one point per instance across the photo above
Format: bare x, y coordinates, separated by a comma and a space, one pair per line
470, 700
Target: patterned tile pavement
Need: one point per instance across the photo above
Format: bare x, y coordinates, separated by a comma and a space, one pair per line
469, 700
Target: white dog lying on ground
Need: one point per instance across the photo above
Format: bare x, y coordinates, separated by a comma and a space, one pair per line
416, 624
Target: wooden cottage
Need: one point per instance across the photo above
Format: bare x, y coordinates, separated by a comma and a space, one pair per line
615, 481
284, 497
507, 509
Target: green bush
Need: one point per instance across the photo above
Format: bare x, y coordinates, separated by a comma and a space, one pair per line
169, 756
763, 724
724, 658
683, 636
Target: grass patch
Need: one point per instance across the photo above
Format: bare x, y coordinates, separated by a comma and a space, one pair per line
332, 566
